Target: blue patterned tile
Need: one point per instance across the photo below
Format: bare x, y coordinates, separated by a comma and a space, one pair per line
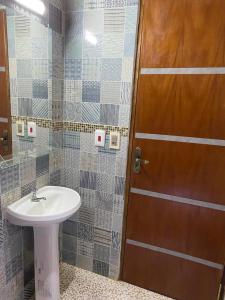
93, 4
132, 2
131, 19
70, 178
92, 50
101, 252
71, 111
105, 183
91, 91
109, 114
113, 45
104, 201
24, 68
101, 268
91, 68
119, 185
13, 267
1, 231
85, 232
71, 139
87, 215
85, 262
124, 116
90, 113
10, 231
111, 69
25, 107
88, 180
116, 240
10, 26
9, 178
88, 197
42, 165
28, 188
69, 257
103, 219
114, 20
40, 69
73, 69
126, 93
70, 227
106, 164
24, 88
114, 3
11, 48
22, 26
118, 204
55, 178
40, 89
102, 236
129, 44
85, 248
115, 257
110, 92
69, 242
39, 49
40, 108
94, 21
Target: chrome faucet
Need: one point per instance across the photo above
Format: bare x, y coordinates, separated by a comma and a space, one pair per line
35, 198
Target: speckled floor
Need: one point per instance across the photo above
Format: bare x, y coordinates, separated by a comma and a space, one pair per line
78, 284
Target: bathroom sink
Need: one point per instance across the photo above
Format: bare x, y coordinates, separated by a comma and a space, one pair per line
60, 204
45, 216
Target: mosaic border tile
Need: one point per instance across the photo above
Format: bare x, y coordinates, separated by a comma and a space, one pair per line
90, 128
71, 126
45, 123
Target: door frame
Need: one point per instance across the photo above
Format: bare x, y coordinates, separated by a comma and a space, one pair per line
131, 130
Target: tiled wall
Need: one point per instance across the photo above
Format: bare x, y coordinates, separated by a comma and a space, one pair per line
100, 40
96, 86
35, 92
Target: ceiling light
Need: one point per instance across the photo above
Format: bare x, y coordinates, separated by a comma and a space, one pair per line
36, 6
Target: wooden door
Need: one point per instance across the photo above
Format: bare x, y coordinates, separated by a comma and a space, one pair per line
5, 108
174, 241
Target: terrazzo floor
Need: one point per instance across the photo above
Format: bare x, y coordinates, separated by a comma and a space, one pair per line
78, 284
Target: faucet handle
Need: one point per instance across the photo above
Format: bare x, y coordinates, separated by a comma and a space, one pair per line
35, 190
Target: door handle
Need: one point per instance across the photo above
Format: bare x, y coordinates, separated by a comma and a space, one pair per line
138, 161
4, 138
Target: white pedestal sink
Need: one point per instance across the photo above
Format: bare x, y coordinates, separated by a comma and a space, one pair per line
45, 217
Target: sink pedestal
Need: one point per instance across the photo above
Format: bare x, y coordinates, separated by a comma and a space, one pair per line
45, 216
46, 257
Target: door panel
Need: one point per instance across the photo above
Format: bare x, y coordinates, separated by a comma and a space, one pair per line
183, 33
182, 169
174, 240
164, 224
184, 105
162, 272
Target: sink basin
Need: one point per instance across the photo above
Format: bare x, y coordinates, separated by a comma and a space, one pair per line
45, 217
60, 204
